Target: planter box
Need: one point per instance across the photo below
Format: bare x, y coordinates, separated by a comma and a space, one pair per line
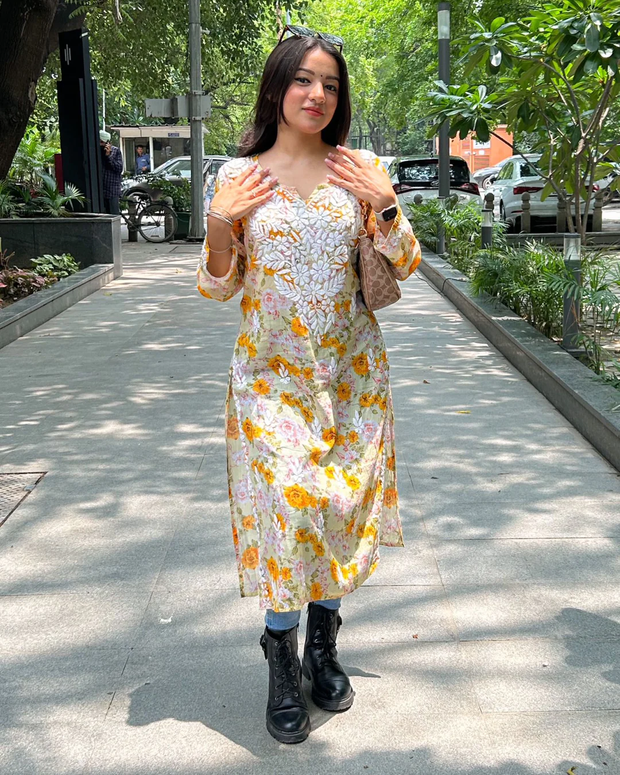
182, 226
90, 238
22, 316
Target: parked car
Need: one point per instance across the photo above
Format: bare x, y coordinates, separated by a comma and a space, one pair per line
386, 161
413, 175
487, 175
174, 170
517, 177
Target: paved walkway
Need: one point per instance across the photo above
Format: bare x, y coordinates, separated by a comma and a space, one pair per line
490, 645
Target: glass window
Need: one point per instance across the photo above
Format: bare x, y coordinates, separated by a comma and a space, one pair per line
506, 171
425, 172
182, 168
527, 171
215, 165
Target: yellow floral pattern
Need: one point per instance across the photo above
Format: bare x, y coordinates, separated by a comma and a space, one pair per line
310, 433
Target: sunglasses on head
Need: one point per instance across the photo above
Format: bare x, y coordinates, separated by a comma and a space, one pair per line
304, 32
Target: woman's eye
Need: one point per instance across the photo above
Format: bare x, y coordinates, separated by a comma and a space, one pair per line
333, 88
301, 79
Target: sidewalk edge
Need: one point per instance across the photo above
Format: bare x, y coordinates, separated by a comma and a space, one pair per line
569, 385
27, 314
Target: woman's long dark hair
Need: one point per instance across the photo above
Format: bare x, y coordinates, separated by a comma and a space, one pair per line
280, 69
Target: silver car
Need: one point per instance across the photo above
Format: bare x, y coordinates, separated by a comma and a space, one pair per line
487, 175
176, 170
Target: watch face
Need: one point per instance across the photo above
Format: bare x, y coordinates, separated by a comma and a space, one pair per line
390, 213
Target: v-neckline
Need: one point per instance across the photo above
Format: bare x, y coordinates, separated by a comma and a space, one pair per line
292, 189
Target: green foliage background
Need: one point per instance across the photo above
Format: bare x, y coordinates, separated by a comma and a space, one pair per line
390, 46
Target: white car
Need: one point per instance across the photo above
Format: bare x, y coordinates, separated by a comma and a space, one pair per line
516, 178
386, 161
413, 175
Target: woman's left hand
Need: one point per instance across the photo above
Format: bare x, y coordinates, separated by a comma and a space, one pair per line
367, 182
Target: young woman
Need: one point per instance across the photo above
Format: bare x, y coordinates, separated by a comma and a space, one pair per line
310, 439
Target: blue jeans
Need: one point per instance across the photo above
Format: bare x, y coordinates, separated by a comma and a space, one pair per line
289, 619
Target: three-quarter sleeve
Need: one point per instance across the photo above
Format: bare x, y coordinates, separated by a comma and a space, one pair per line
225, 287
400, 246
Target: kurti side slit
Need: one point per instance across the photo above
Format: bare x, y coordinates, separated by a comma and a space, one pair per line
309, 420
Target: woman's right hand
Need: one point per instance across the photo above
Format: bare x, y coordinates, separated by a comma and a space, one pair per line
249, 190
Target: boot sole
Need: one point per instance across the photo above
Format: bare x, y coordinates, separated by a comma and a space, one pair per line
332, 705
288, 737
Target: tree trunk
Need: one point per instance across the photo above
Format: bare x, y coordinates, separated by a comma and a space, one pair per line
24, 33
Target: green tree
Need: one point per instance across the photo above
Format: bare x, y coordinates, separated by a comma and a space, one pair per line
138, 49
556, 78
391, 51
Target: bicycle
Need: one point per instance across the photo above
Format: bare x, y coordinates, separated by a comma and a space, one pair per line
155, 221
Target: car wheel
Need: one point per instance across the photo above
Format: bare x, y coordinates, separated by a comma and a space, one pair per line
510, 225
487, 182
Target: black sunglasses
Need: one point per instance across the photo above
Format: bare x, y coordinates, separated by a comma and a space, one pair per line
304, 32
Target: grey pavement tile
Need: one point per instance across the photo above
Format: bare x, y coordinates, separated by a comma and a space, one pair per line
475, 453
212, 684
412, 564
36, 562
573, 559
546, 486
67, 685
395, 614
358, 741
544, 675
574, 517
48, 625
46, 749
512, 611
198, 616
586, 742
473, 561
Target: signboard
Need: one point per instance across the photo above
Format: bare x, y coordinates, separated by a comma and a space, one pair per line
177, 107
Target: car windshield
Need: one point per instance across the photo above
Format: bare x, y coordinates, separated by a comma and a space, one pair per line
183, 168
425, 172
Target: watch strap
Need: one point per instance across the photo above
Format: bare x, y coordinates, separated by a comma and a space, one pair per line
388, 213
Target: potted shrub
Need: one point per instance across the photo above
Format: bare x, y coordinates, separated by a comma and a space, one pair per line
179, 193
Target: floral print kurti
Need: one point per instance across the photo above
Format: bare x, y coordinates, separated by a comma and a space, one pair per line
310, 439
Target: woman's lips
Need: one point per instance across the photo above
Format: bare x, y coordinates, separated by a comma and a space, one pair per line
313, 112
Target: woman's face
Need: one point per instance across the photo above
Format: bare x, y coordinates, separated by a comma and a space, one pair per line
312, 97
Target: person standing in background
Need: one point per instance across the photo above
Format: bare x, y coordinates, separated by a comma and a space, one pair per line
112, 164
143, 161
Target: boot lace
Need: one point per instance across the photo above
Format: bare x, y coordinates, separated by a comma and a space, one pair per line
286, 668
324, 641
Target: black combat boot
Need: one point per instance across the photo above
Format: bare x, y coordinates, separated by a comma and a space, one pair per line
331, 689
288, 719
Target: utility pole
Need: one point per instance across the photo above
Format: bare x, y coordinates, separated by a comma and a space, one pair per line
443, 34
195, 111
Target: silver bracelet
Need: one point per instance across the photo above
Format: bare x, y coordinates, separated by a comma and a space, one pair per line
220, 217
211, 250
221, 210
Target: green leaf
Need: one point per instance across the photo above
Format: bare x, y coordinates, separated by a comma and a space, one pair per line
592, 38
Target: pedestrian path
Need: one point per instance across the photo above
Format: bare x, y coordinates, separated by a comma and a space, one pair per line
490, 645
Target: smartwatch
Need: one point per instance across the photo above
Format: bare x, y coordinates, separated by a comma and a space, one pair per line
388, 214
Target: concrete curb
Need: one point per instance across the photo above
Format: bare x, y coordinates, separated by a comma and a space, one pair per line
29, 313
570, 386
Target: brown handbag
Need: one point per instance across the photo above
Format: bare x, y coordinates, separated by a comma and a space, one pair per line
377, 281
